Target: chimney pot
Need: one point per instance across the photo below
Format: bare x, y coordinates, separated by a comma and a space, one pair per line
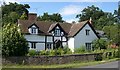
90, 20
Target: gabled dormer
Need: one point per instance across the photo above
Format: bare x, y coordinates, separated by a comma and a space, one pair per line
33, 29
56, 30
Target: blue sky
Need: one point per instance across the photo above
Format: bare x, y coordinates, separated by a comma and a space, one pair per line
68, 10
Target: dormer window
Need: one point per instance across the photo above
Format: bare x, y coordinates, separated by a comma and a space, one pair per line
57, 31
34, 30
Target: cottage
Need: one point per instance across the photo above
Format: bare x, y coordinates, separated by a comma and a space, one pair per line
42, 35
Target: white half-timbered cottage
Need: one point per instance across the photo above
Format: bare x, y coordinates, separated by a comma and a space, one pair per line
42, 35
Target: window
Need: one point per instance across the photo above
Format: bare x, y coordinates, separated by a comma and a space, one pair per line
33, 45
88, 46
48, 46
87, 31
57, 32
33, 31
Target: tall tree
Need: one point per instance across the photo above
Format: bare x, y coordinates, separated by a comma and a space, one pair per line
99, 17
55, 17
13, 42
113, 33
90, 11
23, 16
8, 9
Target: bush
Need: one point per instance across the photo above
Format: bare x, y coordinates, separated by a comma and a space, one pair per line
44, 52
67, 50
32, 52
80, 49
99, 44
60, 51
52, 52
98, 57
104, 56
117, 53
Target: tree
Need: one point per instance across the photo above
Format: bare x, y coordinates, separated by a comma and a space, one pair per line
10, 9
113, 33
55, 17
90, 11
99, 17
13, 42
23, 16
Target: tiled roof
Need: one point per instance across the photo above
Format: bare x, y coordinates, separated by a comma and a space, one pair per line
76, 27
44, 27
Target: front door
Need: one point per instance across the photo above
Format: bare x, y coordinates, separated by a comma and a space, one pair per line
58, 44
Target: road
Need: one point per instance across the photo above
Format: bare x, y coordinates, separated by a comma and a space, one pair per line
105, 65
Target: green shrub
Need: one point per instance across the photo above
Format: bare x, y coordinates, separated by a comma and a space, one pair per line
99, 44
117, 53
80, 49
52, 52
98, 57
109, 55
60, 51
32, 52
104, 55
43, 52
67, 50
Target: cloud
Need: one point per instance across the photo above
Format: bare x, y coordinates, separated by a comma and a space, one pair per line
71, 10
71, 20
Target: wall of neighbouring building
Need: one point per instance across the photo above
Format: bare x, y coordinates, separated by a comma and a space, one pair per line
81, 38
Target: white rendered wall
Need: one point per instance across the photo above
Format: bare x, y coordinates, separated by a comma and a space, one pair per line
36, 38
49, 39
39, 46
71, 44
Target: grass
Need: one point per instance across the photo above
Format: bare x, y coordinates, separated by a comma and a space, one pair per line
70, 65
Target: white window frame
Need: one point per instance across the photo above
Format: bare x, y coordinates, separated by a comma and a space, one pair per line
88, 46
87, 32
57, 31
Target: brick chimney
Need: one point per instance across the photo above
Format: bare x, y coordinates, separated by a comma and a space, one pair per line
32, 16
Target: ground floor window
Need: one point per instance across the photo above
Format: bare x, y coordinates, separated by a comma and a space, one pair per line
33, 45
88, 46
48, 46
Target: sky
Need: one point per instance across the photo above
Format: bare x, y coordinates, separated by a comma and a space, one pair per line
68, 10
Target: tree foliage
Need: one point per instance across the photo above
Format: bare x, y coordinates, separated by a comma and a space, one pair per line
99, 17
13, 42
23, 16
113, 32
55, 17
13, 11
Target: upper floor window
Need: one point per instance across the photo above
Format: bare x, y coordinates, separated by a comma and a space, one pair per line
34, 30
87, 31
57, 31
